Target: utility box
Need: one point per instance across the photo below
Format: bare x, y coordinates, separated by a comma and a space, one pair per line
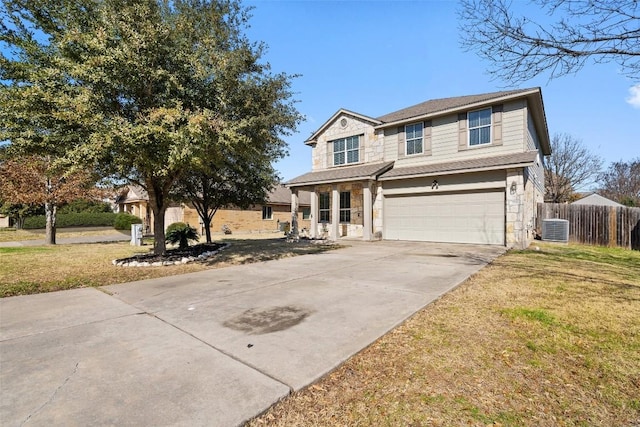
555, 230
136, 234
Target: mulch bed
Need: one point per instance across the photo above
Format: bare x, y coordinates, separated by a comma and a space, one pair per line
173, 255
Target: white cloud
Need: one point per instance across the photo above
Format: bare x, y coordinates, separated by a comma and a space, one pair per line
634, 96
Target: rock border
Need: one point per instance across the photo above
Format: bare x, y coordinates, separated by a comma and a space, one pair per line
185, 260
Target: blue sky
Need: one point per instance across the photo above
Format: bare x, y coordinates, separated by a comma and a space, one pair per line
376, 57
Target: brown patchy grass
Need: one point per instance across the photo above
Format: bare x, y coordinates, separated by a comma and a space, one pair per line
36, 269
538, 338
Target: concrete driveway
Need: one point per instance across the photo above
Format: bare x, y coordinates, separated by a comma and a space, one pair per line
212, 348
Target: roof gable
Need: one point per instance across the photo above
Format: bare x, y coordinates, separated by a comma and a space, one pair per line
341, 112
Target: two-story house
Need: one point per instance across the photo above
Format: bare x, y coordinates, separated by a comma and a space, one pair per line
467, 169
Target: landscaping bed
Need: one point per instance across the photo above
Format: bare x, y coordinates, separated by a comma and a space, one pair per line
176, 256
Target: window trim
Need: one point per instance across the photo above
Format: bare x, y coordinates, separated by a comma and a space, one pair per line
322, 210
490, 126
267, 209
407, 139
345, 152
345, 211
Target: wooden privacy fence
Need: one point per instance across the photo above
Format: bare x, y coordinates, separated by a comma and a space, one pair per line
596, 225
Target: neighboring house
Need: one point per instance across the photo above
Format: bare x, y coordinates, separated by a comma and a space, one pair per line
597, 200
5, 221
467, 169
134, 200
259, 218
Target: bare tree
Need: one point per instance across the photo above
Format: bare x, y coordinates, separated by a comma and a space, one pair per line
621, 182
569, 167
520, 48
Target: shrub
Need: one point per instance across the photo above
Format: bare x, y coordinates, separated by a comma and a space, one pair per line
85, 206
181, 233
84, 219
123, 221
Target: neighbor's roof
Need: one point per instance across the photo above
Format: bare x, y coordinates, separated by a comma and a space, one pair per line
597, 200
471, 165
349, 173
281, 195
132, 193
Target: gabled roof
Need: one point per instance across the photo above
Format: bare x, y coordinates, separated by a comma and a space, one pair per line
349, 173
442, 106
445, 104
597, 200
471, 165
132, 193
314, 136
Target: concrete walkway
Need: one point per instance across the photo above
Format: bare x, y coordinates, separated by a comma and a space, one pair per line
212, 348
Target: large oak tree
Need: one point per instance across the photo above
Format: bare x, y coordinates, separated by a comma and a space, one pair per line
139, 90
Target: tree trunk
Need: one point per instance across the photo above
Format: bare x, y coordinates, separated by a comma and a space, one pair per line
50, 212
206, 221
158, 207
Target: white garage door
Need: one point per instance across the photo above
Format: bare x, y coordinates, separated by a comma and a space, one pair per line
465, 217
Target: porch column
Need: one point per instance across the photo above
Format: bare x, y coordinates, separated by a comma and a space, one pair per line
335, 213
314, 214
367, 206
294, 212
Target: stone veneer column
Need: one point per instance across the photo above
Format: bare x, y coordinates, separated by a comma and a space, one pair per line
367, 211
335, 213
516, 231
314, 213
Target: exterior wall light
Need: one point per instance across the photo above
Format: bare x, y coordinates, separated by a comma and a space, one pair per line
434, 184
513, 188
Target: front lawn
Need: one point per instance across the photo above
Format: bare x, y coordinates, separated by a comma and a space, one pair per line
35, 269
547, 337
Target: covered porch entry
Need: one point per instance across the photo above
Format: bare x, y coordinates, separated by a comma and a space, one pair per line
344, 201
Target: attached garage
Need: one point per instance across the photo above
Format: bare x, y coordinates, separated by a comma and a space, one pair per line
456, 217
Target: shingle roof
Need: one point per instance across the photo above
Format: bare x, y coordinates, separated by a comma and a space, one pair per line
281, 195
443, 104
596, 199
349, 173
496, 162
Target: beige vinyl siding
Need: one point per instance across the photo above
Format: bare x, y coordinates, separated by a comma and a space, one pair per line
444, 139
533, 143
536, 172
447, 183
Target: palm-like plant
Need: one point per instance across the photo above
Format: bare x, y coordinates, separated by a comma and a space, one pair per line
181, 233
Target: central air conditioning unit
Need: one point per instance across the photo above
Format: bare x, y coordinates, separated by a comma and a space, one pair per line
555, 230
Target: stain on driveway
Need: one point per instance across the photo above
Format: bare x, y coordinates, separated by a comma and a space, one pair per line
257, 321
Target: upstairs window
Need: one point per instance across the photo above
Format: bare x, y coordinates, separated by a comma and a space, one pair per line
346, 150
414, 138
479, 127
